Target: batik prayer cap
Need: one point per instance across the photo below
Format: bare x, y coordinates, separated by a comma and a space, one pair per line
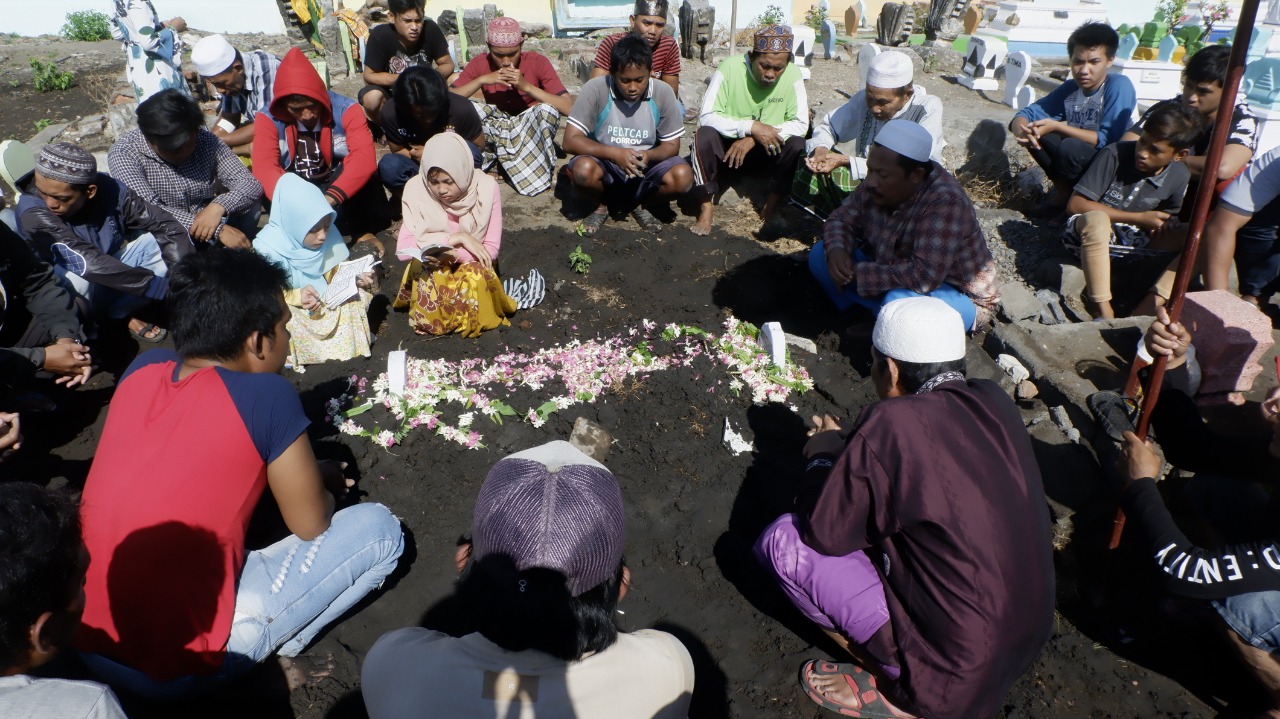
65, 162
774, 38
657, 8
504, 32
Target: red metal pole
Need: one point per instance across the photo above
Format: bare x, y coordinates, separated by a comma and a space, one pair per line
1199, 216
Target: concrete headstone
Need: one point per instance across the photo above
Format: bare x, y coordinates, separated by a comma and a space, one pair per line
1017, 70
1128, 44
984, 56
866, 54
1167, 47
828, 39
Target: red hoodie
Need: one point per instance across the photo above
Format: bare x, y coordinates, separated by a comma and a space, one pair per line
296, 76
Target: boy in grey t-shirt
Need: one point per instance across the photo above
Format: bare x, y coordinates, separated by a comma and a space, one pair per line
1129, 199
42, 567
625, 130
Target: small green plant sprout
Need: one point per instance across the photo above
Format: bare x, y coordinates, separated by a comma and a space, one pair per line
579, 261
814, 17
772, 15
86, 26
48, 77
15, 83
42, 123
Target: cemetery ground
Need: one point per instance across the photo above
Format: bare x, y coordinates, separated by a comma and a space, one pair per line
694, 507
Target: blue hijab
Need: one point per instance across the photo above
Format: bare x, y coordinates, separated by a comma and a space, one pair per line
297, 207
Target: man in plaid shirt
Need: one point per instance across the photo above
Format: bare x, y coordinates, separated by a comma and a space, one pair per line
909, 229
174, 163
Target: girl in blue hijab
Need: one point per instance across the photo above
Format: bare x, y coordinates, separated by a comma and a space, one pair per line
301, 238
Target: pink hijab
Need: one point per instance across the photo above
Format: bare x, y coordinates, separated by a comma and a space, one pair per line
427, 218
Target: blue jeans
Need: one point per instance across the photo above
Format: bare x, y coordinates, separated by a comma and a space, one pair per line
396, 170
287, 594
103, 301
848, 296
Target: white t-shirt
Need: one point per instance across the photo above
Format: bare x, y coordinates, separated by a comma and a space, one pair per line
24, 697
645, 675
1257, 187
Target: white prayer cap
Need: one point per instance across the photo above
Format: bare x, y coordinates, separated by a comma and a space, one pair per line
920, 330
212, 55
906, 138
890, 69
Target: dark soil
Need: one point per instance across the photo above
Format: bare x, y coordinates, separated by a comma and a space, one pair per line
694, 508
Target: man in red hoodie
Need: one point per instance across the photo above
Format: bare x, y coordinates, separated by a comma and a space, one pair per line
321, 136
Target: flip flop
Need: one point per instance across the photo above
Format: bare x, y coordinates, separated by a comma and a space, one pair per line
646, 220
590, 224
871, 703
536, 290
1114, 412
146, 329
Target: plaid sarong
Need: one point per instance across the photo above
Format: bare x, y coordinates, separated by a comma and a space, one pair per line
822, 194
1126, 241
523, 145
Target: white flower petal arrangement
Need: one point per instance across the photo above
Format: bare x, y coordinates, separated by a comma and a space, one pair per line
580, 371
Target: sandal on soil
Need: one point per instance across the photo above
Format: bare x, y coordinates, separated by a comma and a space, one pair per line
142, 335
646, 220
590, 224
1114, 412
871, 703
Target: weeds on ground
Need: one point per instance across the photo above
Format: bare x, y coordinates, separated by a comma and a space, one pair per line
579, 261
87, 26
48, 77
930, 63
42, 123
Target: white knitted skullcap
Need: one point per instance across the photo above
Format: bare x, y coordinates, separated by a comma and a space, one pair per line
890, 69
920, 330
212, 55
906, 138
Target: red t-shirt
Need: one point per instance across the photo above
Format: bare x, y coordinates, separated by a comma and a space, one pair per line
536, 69
666, 56
178, 471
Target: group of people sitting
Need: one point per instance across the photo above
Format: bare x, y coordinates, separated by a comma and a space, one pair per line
901, 539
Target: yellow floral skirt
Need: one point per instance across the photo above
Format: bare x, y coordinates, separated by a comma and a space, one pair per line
330, 334
464, 298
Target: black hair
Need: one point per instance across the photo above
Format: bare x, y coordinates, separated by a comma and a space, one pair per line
910, 165
219, 298
421, 86
1094, 34
39, 561
913, 375
1209, 64
1175, 124
400, 7
630, 51
534, 610
168, 118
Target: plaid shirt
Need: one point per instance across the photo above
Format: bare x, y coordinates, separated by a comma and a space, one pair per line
185, 190
931, 239
259, 77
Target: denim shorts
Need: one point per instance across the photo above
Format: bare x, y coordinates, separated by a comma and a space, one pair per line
1254, 616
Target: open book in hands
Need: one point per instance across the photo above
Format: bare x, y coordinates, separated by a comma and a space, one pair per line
422, 253
343, 285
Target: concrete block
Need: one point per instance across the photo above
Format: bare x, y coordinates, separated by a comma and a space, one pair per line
1231, 336
1018, 303
49, 134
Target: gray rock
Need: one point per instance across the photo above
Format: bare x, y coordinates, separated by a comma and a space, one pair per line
804, 344
490, 12
1053, 314
591, 438
50, 133
1027, 390
448, 22
893, 27
121, 119
474, 25
535, 29
580, 67
1017, 303
697, 24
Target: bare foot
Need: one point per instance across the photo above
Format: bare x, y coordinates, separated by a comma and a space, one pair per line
702, 226
306, 670
835, 688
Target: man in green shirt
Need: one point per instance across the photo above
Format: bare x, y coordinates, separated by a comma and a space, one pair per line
754, 118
